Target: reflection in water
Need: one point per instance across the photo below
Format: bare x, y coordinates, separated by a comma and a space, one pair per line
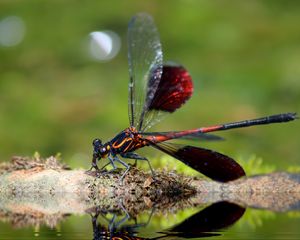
213, 218
205, 223
122, 221
23, 205
116, 229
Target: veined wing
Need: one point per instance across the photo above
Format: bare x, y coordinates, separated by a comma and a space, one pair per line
154, 89
174, 89
145, 63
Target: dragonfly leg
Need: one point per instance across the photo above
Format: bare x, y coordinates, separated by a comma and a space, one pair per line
135, 156
111, 161
106, 165
135, 163
94, 164
124, 164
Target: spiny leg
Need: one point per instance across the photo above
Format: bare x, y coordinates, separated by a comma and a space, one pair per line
135, 156
94, 164
135, 163
124, 164
111, 161
105, 165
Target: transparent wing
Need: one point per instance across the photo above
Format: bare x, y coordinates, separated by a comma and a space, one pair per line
154, 89
145, 63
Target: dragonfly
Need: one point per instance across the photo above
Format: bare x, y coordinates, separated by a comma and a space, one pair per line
157, 89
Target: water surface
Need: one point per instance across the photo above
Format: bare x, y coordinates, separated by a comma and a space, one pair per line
220, 220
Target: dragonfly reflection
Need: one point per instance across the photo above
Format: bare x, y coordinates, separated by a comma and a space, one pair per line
205, 223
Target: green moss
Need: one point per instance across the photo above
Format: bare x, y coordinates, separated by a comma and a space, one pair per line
294, 169
254, 165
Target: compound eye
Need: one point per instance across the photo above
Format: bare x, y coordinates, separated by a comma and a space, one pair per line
97, 142
103, 150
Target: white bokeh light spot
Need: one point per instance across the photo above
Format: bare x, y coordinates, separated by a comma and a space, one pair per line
12, 31
104, 45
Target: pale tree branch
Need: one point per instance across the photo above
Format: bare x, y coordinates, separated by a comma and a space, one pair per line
50, 188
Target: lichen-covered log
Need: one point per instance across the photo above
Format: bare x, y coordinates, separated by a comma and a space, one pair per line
50, 187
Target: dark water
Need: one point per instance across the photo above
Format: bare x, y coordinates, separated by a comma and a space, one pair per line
221, 220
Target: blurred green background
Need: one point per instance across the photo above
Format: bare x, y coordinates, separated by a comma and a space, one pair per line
244, 57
